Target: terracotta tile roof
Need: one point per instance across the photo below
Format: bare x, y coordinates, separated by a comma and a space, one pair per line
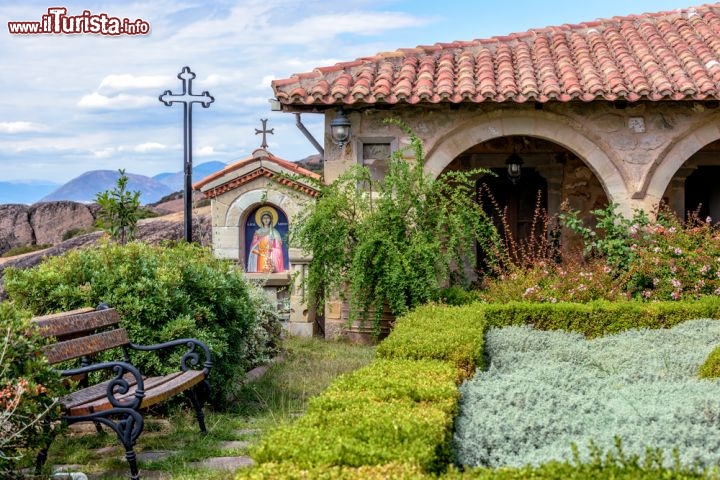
266, 165
671, 55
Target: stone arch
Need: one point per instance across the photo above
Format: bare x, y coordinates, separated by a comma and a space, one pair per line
672, 159
243, 204
548, 126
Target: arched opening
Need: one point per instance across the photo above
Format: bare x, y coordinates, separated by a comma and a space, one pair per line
525, 208
694, 189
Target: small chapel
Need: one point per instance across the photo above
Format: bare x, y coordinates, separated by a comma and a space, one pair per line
253, 201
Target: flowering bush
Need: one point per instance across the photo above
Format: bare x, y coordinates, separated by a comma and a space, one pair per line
29, 389
638, 258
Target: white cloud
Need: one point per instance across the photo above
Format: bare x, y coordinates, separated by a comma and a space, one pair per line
21, 127
117, 83
122, 101
149, 146
105, 152
205, 151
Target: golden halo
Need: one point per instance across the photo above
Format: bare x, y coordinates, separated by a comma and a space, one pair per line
260, 211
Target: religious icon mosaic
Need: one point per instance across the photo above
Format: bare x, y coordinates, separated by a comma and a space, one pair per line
266, 231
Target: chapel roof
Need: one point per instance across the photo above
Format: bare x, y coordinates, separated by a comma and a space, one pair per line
260, 164
671, 55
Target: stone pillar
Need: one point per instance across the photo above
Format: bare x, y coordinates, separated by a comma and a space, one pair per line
675, 193
302, 319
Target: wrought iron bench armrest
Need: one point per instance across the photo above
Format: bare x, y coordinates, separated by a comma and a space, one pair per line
190, 357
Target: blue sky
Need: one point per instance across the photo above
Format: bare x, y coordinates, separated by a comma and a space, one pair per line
73, 103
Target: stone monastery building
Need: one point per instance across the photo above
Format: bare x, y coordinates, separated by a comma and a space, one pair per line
621, 110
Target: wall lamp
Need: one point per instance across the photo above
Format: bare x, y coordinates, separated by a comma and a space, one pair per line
340, 127
514, 164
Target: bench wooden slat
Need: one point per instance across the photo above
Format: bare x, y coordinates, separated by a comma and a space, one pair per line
76, 322
91, 344
157, 389
93, 392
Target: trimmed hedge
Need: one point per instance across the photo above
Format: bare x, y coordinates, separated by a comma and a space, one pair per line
598, 318
711, 366
452, 334
390, 411
393, 419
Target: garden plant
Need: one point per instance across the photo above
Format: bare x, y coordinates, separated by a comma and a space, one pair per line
162, 293
393, 243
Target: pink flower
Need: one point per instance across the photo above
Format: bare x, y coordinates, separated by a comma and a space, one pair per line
677, 251
675, 295
648, 293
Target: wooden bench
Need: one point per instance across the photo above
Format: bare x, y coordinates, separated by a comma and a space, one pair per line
116, 402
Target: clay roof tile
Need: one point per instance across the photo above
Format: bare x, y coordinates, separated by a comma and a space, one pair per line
654, 56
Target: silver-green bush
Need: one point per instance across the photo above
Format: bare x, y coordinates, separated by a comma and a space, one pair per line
544, 391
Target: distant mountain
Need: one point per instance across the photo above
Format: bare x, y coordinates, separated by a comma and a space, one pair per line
27, 192
85, 187
176, 181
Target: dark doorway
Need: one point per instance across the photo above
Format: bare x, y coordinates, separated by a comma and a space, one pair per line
517, 209
702, 194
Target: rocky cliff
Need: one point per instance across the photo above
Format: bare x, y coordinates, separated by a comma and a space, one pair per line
42, 223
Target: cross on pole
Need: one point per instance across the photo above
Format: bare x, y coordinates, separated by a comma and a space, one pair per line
264, 131
187, 99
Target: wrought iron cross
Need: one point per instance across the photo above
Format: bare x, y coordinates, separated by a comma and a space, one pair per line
264, 131
187, 99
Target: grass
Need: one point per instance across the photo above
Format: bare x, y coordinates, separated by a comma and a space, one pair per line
306, 369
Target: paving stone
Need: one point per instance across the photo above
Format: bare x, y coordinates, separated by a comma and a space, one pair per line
154, 455
225, 463
144, 474
235, 444
106, 451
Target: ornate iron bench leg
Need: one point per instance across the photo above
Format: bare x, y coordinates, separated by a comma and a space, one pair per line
43, 453
198, 395
128, 428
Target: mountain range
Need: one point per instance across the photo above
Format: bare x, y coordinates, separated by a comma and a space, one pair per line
85, 187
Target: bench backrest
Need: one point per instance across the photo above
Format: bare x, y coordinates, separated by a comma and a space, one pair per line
81, 333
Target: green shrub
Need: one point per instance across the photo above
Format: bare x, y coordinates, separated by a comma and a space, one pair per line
711, 366
29, 389
614, 464
453, 334
545, 391
390, 411
291, 471
76, 232
162, 292
25, 249
598, 318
